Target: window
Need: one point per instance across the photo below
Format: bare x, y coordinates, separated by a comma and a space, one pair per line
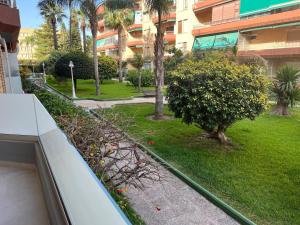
185, 4
180, 27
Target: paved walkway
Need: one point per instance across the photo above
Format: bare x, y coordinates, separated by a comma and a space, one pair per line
171, 201
92, 104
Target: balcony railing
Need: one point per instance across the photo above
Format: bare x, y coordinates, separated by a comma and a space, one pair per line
10, 3
212, 23
269, 45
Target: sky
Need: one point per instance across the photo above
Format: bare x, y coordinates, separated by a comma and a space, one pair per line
29, 13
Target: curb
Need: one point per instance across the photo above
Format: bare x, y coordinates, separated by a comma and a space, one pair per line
197, 187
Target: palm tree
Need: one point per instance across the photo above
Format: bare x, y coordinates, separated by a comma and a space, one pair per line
29, 41
89, 8
160, 7
53, 13
70, 4
83, 28
119, 20
138, 63
286, 89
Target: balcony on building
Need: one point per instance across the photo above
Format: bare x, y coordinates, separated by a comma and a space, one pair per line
254, 22
210, 13
9, 32
43, 178
272, 41
169, 18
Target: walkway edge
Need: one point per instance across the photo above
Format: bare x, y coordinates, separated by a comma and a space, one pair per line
201, 190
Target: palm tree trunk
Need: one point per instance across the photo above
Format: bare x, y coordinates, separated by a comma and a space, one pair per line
120, 54
84, 38
54, 32
70, 24
159, 70
95, 57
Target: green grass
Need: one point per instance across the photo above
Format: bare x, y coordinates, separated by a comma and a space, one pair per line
86, 89
259, 176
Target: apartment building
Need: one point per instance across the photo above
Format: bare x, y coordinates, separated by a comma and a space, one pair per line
26, 49
268, 30
9, 31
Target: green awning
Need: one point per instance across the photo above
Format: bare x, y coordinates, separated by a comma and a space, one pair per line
271, 27
100, 43
216, 41
250, 7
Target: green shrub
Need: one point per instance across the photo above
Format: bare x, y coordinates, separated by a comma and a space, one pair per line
51, 61
147, 78
83, 66
107, 67
215, 92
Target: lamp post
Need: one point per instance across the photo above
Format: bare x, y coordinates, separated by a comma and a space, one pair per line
45, 80
71, 65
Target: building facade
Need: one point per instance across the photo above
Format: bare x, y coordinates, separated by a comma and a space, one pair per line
26, 49
10, 81
268, 30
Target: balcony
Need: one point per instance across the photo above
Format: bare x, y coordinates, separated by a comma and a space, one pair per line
106, 34
262, 21
9, 23
135, 28
271, 49
171, 17
170, 37
43, 178
135, 43
100, 10
205, 4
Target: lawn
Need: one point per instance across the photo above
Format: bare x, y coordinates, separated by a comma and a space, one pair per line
86, 89
259, 176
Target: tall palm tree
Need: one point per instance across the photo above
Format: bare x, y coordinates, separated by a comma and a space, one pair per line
70, 4
29, 42
160, 7
119, 20
89, 8
286, 89
83, 28
53, 13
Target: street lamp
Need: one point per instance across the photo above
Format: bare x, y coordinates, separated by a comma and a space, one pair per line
45, 80
71, 65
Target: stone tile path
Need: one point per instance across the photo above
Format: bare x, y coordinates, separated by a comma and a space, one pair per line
91, 104
171, 201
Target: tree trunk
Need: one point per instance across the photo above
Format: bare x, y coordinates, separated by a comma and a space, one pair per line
120, 55
84, 38
281, 108
95, 56
219, 135
159, 70
140, 80
70, 24
54, 32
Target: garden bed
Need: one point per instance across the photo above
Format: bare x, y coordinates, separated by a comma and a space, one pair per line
259, 175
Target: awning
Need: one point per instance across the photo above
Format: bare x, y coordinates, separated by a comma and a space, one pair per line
100, 43
216, 41
250, 7
272, 27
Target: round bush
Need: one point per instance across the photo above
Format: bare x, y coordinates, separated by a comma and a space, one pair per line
147, 78
107, 67
214, 93
83, 66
